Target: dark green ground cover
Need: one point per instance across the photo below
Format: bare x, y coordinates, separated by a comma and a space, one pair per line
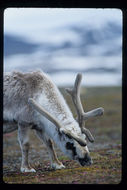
105, 151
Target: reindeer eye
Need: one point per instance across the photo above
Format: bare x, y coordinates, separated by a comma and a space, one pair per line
70, 146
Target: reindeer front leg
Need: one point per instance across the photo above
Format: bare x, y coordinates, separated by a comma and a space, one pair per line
55, 163
23, 139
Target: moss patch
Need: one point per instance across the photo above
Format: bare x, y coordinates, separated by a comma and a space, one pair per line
105, 169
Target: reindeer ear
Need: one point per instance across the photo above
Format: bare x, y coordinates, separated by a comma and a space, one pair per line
69, 134
64, 131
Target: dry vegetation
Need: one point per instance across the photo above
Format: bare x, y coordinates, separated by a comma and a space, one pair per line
105, 152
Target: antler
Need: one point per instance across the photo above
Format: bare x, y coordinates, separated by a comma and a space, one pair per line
82, 116
42, 111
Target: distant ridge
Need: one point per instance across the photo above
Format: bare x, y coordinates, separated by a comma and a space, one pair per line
17, 45
92, 41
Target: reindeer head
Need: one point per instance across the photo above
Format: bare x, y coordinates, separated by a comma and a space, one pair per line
73, 139
83, 155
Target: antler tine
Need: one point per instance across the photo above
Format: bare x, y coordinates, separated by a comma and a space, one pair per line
51, 118
75, 94
93, 113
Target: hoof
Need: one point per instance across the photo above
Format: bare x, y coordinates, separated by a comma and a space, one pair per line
56, 166
23, 170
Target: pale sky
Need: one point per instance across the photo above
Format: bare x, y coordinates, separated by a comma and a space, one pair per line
40, 24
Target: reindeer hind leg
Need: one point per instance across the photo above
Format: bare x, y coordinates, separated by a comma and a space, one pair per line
23, 138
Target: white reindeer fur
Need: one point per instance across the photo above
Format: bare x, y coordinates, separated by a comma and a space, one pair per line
18, 88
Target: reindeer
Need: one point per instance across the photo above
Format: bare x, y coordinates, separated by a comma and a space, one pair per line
33, 101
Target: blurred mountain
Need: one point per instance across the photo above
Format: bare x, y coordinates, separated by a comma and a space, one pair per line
17, 45
105, 41
94, 51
